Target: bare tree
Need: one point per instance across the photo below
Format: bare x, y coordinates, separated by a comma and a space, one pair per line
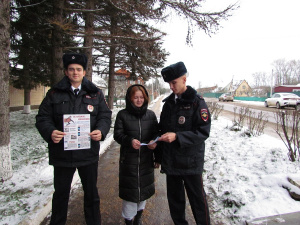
286, 72
191, 11
260, 79
294, 66
288, 130
5, 155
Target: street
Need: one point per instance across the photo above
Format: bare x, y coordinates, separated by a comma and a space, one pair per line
269, 113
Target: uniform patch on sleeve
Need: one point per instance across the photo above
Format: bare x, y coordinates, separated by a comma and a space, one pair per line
204, 114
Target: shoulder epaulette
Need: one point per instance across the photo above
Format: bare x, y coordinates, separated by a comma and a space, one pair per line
199, 96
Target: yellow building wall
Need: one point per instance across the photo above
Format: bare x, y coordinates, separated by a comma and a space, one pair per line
16, 96
243, 90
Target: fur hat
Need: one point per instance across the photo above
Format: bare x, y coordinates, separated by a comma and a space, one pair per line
74, 58
173, 71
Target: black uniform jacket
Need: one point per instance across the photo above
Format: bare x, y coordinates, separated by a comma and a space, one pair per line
60, 100
136, 167
189, 118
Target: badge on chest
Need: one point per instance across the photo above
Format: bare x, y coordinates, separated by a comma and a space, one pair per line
181, 120
90, 108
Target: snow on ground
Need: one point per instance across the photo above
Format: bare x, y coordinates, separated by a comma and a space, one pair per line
31, 184
243, 175
251, 102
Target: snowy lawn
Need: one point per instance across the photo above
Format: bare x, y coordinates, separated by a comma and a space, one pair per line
31, 185
243, 175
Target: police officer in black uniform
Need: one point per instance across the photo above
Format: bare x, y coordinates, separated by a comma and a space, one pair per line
74, 94
185, 125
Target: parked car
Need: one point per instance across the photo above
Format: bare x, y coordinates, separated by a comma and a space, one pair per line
281, 100
226, 97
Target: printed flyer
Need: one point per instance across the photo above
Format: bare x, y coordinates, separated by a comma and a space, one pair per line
77, 129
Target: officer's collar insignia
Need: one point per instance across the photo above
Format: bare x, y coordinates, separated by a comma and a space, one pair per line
73, 57
181, 120
204, 114
87, 96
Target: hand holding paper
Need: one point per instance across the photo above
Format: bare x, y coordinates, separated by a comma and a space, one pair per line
152, 145
151, 142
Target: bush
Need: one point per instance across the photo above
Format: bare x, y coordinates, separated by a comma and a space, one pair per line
215, 109
288, 123
255, 121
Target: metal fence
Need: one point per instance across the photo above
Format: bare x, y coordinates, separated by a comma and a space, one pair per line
257, 99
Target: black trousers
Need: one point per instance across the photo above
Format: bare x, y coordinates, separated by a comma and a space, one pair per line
193, 184
63, 177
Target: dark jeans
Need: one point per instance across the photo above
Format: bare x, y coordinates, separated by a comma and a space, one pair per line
62, 184
193, 185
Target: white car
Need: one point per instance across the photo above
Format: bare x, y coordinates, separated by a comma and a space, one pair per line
226, 97
281, 100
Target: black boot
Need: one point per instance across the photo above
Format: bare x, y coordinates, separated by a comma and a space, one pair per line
138, 218
128, 222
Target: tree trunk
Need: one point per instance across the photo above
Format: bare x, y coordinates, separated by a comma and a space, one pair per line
111, 80
27, 103
5, 155
111, 66
57, 65
26, 83
89, 38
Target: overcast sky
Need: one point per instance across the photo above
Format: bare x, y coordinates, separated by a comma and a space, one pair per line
258, 33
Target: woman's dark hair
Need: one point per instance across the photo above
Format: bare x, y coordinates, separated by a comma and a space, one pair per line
139, 88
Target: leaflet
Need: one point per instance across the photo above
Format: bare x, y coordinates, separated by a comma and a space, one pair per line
77, 129
152, 142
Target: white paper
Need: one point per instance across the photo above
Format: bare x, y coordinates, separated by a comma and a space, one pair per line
152, 142
77, 129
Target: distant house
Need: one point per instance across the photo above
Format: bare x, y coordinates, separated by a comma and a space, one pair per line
261, 91
287, 88
123, 81
238, 89
100, 83
16, 97
207, 89
229, 88
242, 89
